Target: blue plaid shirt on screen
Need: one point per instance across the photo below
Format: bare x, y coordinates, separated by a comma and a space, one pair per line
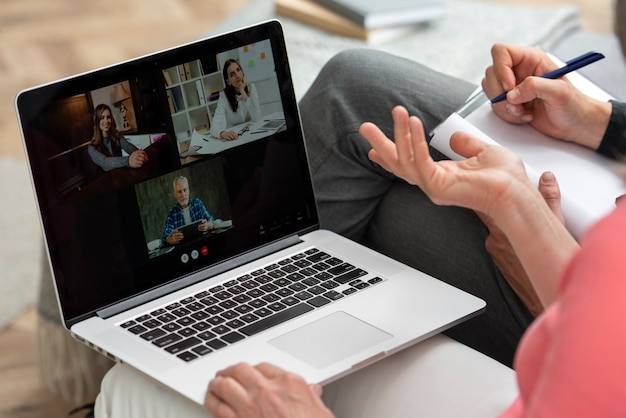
175, 218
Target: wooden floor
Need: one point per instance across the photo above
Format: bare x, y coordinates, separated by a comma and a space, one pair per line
42, 40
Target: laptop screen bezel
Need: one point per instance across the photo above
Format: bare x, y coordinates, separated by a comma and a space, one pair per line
29, 102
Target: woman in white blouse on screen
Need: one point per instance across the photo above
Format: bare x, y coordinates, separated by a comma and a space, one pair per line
239, 102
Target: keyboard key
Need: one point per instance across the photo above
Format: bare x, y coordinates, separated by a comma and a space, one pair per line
310, 281
340, 269
209, 301
216, 320
216, 344
172, 326
290, 300
151, 323
202, 294
297, 287
276, 319
220, 329
214, 310
183, 345
137, 329
200, 326
195, 306
276, 306
187, 356
229, 314
167, 340
201, 350
186, 321
249, 318
180, 312
333, 295
153, 334
318, 301
187, 332
375, 280
318, 256
349, 276
317, 290
158, 312
262, 312
200, 315
233, 337
284, 292
165, 318
242, 309
235, 323
257, 303
330, 284
304, 295
206, 335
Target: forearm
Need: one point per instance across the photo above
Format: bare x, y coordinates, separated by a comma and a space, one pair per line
127, 146
107, 163
542, 243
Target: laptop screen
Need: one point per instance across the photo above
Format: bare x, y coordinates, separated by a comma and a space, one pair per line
159, 167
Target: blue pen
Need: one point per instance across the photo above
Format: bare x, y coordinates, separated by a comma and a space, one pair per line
571, 65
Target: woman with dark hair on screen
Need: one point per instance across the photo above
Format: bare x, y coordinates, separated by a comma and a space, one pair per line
239, 102
107, 143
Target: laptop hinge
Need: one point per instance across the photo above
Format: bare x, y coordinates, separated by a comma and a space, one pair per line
199, 276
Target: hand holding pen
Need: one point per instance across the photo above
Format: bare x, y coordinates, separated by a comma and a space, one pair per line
537, 94
571, 65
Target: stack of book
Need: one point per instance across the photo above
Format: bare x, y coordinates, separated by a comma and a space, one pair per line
370, 20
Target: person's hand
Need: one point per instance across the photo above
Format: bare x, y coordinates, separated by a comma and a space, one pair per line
263, 391
174, 238
205, 225
485, 181
491, 180
229, 135
242, 89
137, 158
505, 258
554, 107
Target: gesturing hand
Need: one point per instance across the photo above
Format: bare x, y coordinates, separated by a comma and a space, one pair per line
484, 182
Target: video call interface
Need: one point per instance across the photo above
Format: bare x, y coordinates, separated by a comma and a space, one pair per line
154, 176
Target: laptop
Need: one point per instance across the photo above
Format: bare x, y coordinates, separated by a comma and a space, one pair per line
269, 286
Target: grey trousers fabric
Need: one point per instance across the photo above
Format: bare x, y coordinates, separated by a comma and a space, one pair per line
360, 200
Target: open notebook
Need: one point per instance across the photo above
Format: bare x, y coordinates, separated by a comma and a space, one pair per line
589, 183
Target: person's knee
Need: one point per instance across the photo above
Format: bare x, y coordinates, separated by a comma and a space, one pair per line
352, 69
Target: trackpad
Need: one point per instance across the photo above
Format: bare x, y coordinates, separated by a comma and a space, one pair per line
330, 339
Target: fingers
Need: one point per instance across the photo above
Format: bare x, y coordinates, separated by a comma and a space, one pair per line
551, 192
230, 393
229, 135
501, 75
409, 150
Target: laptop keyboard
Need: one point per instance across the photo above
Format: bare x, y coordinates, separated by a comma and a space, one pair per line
224, 314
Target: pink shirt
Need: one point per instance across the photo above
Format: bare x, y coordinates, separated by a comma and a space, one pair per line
572, 360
